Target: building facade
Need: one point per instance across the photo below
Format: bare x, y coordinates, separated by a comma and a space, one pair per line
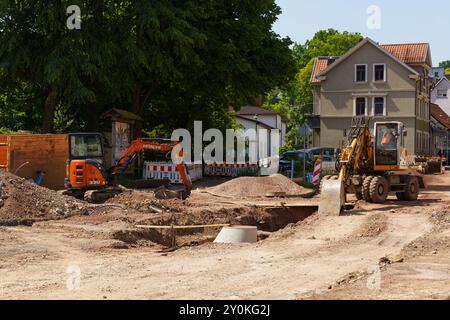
440, 94
385, 82
440, 130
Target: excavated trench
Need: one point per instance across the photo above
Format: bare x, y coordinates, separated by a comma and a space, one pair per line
268, 219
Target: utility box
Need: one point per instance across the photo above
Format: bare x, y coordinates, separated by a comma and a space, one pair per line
28, 154
118, 128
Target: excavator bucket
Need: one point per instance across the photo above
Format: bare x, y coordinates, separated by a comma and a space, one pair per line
332, 197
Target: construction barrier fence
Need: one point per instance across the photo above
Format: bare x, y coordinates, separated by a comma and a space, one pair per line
168, 170
231, 170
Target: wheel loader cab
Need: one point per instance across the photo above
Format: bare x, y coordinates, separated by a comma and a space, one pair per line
85, 168
388, 144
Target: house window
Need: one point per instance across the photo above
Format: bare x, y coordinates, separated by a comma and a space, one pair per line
419, 141
361, 73
360, 106
379, 106
442, 94
379, 72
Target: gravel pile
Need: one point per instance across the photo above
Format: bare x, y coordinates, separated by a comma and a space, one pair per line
22, 200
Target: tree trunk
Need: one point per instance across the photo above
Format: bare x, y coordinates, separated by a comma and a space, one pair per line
49, 112
140, 98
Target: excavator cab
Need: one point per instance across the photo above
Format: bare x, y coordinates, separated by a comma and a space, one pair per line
389, 141
85, 169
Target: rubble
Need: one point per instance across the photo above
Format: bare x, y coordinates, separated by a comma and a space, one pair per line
23, 201
254, 187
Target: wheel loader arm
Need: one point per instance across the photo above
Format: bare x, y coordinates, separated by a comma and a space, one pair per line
333, 193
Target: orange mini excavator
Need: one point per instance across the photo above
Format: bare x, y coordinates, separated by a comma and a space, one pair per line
86, 175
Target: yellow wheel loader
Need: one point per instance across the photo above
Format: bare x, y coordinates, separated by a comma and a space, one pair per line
371, 167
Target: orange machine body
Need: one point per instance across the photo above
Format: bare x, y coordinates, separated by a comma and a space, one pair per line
89, 173
85, 174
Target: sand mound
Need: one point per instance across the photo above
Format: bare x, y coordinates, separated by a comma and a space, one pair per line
272, 186
23, 202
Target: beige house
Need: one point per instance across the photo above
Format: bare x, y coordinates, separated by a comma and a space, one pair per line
386, 82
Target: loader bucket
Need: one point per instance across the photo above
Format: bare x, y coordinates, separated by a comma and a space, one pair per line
332, 198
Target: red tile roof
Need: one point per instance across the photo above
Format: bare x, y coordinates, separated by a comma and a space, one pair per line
320, 64
440, 115
408, 52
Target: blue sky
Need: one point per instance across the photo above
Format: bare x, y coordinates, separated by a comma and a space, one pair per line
402, 21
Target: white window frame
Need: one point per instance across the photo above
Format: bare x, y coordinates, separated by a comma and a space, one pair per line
385, 72
419, 141
442, 96
420, 113
356, 73
427, 142
384, 106
366, 109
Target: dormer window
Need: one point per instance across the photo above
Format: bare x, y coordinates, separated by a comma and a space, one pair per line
361, 73
379, 72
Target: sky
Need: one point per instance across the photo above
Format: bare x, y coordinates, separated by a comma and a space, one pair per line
400, 21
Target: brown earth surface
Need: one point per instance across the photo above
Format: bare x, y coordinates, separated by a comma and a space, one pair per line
23, 202
315, 257
248, 187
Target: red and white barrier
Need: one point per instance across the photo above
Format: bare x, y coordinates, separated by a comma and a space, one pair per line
161, 170
230, 170
168, 170
316, 174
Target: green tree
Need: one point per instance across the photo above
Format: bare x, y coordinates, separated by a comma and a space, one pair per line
297, 96
171, 61
444, 64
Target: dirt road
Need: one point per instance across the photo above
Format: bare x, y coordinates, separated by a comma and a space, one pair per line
320, 257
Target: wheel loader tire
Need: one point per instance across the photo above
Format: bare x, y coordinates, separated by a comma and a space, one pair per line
379, 189
366, 188
412, 189
400, 196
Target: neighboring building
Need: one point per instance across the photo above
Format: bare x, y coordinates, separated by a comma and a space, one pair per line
440, 94
437, 73
386, 82
251, 117
440, 130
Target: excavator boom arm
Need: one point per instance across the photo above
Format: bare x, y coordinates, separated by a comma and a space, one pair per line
139, 145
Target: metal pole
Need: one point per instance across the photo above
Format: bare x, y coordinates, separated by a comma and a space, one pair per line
304, 159
292, 169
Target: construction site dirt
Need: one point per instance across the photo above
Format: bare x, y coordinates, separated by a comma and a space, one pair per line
404, 245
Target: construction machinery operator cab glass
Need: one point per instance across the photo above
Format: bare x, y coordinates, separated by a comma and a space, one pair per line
388, 143
86, 146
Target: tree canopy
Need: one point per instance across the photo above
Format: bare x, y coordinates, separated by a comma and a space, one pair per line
444, 64
169, 61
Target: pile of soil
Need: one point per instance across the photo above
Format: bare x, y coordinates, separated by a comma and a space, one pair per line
24, 202
275, 185
373, 227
